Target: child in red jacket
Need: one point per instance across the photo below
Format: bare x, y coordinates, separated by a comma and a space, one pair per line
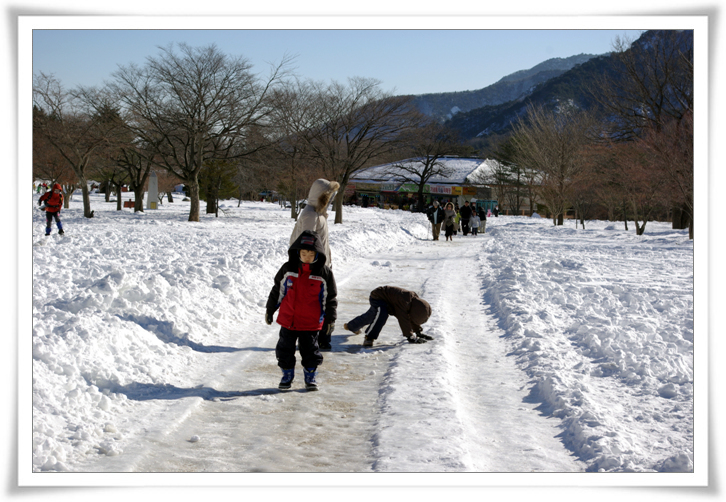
306, 295
53, 204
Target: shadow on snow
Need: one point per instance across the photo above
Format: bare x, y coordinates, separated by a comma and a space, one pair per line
165, 331
149, 392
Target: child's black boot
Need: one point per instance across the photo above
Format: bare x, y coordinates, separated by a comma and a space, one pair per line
287, 377
310, 383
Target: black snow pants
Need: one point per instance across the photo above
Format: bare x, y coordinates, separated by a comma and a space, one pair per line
307, 342
49, 217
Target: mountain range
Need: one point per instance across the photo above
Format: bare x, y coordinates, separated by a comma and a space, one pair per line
484, 116
444, 106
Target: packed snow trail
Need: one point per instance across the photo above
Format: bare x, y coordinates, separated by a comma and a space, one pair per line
471, 412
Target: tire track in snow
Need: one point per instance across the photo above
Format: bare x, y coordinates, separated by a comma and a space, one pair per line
503, 432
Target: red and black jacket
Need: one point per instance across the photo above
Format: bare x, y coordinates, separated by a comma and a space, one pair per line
53, 201
305, 294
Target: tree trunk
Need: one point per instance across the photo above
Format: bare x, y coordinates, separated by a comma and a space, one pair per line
193, 186
420, 201
86, 199
676, 218
119, 204
339, 201
212, 194
169, 196
339, 207
67, 193
293, 201
139, 199
639, 229
560, 219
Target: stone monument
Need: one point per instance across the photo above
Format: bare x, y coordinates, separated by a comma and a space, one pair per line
153, 192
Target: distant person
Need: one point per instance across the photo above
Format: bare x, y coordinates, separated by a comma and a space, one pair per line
496, 211
436, 217
449, 221
314, 217
474, 222
53, 203
465, 217
483, 216
306, 295
406, 306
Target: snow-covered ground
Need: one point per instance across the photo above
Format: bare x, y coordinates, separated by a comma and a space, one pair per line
556, 350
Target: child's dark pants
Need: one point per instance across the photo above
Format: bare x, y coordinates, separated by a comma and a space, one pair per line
48, 220
375, 318
307, 341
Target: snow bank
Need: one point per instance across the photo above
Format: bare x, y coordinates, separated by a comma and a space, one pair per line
126, 303
603, 324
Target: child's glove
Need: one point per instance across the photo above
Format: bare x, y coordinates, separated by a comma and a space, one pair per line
416, 339
328, 329
268, 318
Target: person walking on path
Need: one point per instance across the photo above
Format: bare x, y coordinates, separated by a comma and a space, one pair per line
314, 217
436, 217
411, 311
449, 221
474, 222
466, 213
306, 295
53, 204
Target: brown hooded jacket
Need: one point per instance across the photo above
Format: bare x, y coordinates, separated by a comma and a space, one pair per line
406, 306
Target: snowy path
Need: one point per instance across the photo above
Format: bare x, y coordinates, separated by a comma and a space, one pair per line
471, 412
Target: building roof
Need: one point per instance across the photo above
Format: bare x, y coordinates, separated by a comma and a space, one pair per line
463, 170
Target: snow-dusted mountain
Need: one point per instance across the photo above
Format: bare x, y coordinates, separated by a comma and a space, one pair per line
509, 88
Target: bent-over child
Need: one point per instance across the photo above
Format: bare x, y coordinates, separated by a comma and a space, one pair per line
306, 296
411, 311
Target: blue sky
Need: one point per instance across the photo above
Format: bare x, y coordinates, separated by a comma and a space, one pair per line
406, 61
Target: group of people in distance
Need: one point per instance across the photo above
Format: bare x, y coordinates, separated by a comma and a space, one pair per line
467, 219
304, 295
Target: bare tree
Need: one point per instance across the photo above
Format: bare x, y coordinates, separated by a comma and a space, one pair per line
295, 113
651, 83
650, 97
49, 164
138, 168
76, 123
670, 149
193, 107
356, 125
551, 142
166, 183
